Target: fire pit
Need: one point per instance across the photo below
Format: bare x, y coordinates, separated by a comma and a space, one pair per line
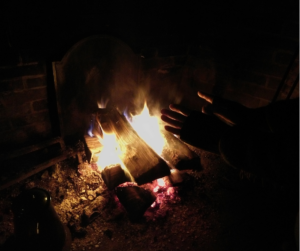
179, 198
123, 142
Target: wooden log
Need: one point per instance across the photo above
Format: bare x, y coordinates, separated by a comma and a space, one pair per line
136, 200
142, 162
179, 154
114, 175
92, 148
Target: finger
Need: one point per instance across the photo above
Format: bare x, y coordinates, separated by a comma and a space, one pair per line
207, 109
208, 97
173, 115
173, 130
180, 109
171, 122
226, 120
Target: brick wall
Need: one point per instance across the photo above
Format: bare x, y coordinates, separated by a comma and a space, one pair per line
24, 113
238, 51
248, 72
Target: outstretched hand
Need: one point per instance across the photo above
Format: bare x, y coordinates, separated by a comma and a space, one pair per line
176, 115
175, 118
229, 112
194, 127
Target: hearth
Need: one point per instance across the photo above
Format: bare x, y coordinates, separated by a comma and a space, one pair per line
246, 53
102, 101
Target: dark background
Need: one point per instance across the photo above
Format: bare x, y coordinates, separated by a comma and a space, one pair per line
252, 43
49, 28
239, 50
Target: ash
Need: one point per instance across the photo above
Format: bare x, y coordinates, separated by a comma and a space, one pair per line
215, 209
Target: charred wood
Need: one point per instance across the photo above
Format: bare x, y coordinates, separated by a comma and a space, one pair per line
92, 147
179, 154
136, 200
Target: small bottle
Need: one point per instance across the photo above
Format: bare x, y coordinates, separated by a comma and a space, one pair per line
36, 224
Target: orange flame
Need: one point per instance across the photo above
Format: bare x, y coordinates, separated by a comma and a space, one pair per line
146, 126
111, 152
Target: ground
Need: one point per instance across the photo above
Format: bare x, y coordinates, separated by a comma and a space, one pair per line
215, 209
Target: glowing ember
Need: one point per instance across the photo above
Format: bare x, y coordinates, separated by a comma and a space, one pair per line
153, 204
161, 182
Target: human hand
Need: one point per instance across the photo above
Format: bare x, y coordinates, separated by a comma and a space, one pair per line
175, 118
227, 111
195, 128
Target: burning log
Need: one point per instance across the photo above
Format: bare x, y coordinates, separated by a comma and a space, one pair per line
135, 200
114, 175
92, 147
178, 153
142, 162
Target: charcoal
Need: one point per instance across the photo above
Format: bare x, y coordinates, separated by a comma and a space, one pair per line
136, 200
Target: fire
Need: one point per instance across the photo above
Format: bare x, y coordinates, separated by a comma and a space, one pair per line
150, 130
111, 152
161, 182
146, 126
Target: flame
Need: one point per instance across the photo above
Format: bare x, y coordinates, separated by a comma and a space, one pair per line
150, 130
103, 103
147, 127
111, 152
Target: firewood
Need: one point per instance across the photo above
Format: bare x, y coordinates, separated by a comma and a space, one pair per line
136, 200
93, 146
142, 162
179, 154
114, 175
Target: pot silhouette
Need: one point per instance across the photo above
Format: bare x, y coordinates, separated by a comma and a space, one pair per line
36, 224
